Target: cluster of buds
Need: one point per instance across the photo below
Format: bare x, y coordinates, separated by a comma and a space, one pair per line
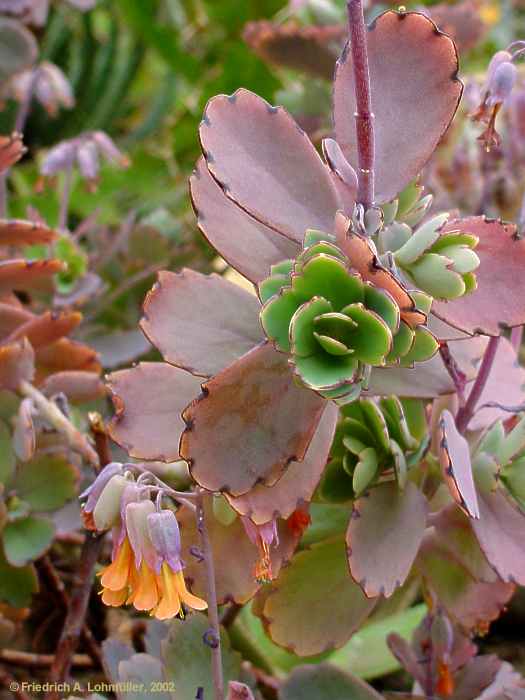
146, 570
501, 78
84, 151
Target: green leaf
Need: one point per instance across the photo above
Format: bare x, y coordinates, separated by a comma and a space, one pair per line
433, 274
187, 659
365, 471
326, 682
421, 240
314, 604
7, 453
326, 371
27, 539
381, 302
302, 326
372, 340
336, 484
17, 584
425, 346
276, 315
46, 482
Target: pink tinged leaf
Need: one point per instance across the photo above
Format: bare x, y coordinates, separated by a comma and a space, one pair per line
502, 260
12, 316
11, 150
411, 63
344, 176
47, 328
246, 244
200, 323
250, 422
454, 457
235, 582
428, 379
311, 49
17, 364
471, 603
78, 386
265, 163
453, 531
500, 535
17, 232
384, 534
476, 676
27, 274
314, 606
504, 386
24, 436
149, 399
298, 483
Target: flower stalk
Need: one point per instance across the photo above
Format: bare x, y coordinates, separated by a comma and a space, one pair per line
213, 612
467, 411
364, 116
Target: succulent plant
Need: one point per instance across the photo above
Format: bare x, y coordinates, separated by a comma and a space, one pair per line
373, 439
333, 322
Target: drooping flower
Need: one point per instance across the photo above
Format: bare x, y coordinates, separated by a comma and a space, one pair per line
47, 83
146, 569
263, 536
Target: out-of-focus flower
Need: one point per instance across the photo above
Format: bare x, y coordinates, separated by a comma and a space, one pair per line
35, 12
47, 83
94, 491
263, 536
501, 79
146, 568
85, 152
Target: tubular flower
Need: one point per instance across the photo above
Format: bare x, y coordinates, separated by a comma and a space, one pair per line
263, 536
141, 573
103, 496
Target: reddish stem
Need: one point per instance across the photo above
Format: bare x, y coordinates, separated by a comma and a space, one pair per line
364, 117
467, 411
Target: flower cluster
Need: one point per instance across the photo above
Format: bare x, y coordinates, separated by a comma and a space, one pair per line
146, 570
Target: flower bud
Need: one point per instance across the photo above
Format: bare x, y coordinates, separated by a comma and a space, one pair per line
107, 147
163, 530
88, 160
442, 635
501, 83
92, 493
106, 512
137, 529
60, 157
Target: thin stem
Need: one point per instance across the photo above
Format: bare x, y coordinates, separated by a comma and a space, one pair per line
58, 420
27, 659
25, 104
364, 117
64, 199
213, 612
467, 411
458, 377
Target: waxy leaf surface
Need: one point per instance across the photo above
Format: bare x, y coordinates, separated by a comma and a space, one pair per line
149, 400
298, 483
17, 232
246, 244
384, 534
497, 301
415, 93
201, 323
454, 457
249, 423
326, 682
265, 163
314, 605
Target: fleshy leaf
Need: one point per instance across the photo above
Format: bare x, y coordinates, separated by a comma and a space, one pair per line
313, 589
265, 163
246, 244
18, 232
187, 658
387, 525
326, 682
500, 531
16, 364
502, 257
46, 482
269, 422
27, 539
24, 434
47, 328
200, 323
411, 63
454, 456
149, 399
140, 673
17, 584
27, 274
7, 453
297, 484
469, 602
235, 582
310, 49
78, 386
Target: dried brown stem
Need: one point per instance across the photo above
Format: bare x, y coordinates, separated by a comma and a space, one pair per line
25, 659
364, 117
